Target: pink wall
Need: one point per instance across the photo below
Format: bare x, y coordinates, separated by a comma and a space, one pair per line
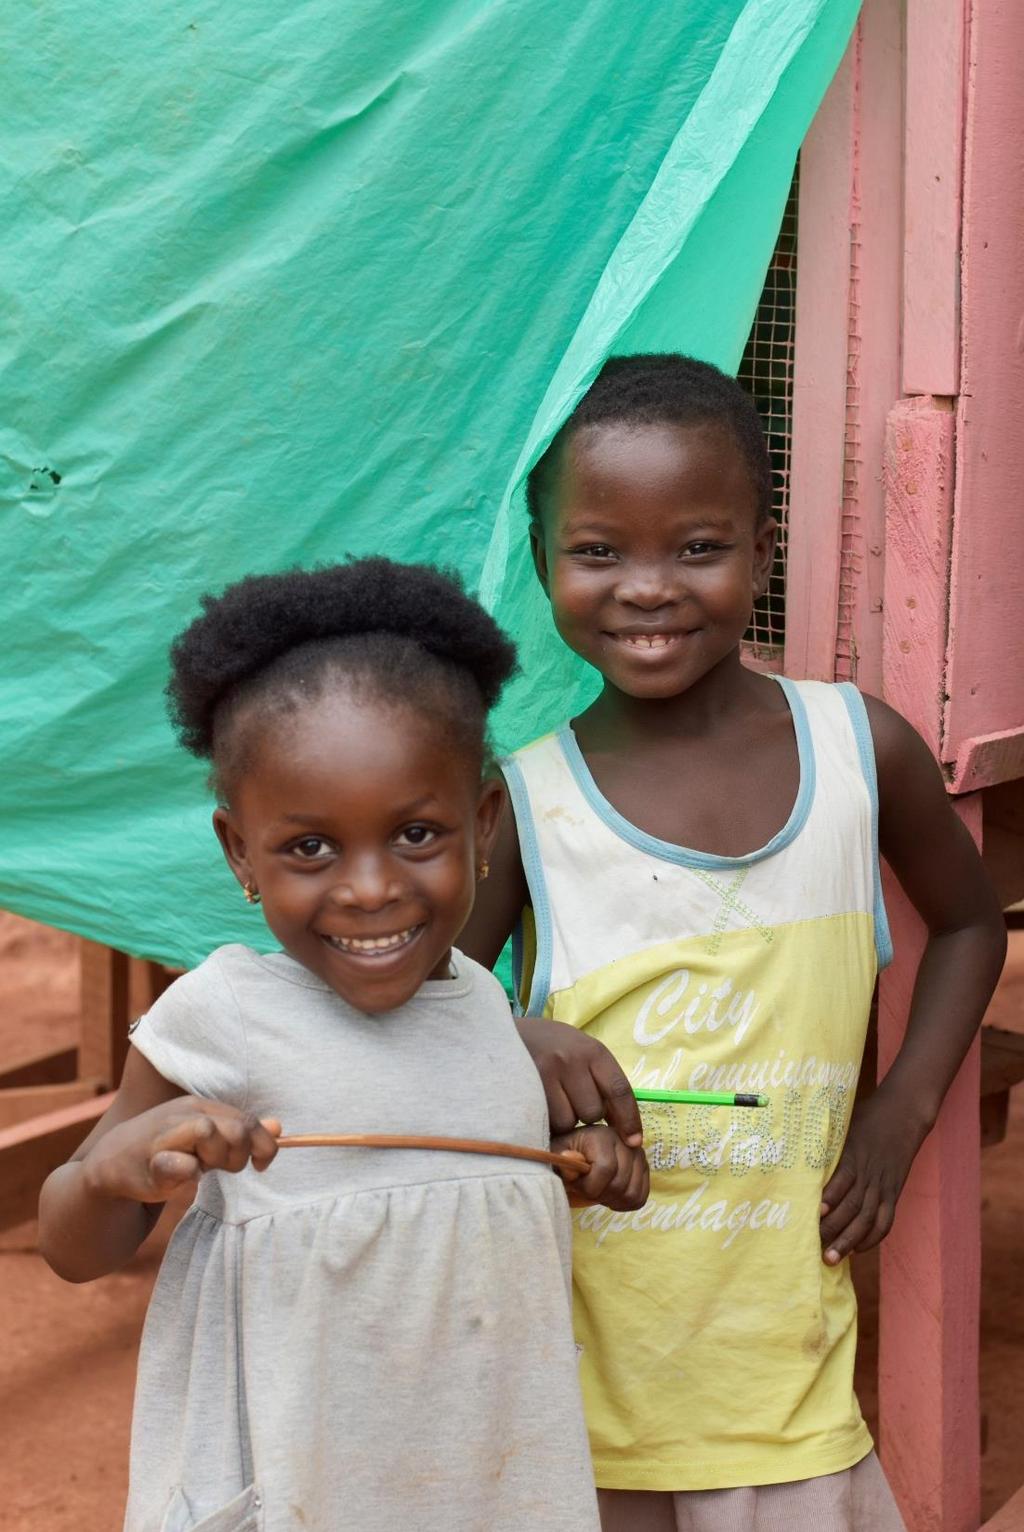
984, 717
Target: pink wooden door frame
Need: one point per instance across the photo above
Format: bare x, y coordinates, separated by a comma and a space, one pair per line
887, 492
983, 723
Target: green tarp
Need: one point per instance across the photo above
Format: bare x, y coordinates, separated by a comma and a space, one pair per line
287, 282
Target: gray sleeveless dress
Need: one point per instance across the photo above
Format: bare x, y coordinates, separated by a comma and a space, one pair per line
359, 1340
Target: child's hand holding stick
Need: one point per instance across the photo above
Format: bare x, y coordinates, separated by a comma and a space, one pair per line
150, 1156
618, 1176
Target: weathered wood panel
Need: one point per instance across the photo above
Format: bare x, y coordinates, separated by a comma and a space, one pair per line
819, 382
985, 684
933, 185
919, 473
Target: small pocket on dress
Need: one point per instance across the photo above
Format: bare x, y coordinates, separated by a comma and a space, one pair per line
242, 1514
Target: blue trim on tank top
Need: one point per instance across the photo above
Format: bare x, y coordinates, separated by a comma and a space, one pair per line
866, 752
533, 868
683, 855
517, 967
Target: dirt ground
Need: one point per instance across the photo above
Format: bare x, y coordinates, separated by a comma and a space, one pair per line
69, 1352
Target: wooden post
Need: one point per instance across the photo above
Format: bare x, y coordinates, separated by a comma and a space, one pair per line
930, 1280
930, 1264
146, 983
114, 989
105, 992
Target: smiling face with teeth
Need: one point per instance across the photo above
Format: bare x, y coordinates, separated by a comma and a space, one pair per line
652, 552
362, 825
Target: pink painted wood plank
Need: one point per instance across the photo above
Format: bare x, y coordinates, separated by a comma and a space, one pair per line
986, 651
930, 1279
919, 507
936, 31
988, 759
819, 382
873, 373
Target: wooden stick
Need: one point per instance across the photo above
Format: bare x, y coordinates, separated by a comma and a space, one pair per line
567, 1159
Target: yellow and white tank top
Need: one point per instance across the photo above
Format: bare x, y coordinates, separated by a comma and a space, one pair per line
717, 1347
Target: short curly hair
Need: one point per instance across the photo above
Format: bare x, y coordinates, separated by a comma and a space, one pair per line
652, 390
270, 642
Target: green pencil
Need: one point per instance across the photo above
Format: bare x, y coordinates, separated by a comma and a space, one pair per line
700, 1098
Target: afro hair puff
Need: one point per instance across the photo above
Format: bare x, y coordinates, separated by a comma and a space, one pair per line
255, 622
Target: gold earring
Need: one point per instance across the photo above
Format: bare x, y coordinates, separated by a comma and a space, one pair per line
251, 892
483, 871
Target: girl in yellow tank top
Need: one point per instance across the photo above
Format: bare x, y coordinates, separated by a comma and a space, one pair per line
692, 872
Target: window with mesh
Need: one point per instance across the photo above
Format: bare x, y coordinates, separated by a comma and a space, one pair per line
766, 371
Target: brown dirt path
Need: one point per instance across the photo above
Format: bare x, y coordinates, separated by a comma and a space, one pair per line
69, 1352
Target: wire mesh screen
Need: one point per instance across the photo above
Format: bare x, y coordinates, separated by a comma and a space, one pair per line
851, 556
766, 371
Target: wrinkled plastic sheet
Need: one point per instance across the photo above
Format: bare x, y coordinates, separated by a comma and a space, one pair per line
286, 283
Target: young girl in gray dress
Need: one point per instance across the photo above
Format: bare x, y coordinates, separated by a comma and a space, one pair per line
343, 1338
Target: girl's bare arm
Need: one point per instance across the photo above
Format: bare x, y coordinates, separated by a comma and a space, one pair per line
939, 867
582, 1080
95, 1211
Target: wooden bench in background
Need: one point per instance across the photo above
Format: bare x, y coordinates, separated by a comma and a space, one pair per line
50, 1101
